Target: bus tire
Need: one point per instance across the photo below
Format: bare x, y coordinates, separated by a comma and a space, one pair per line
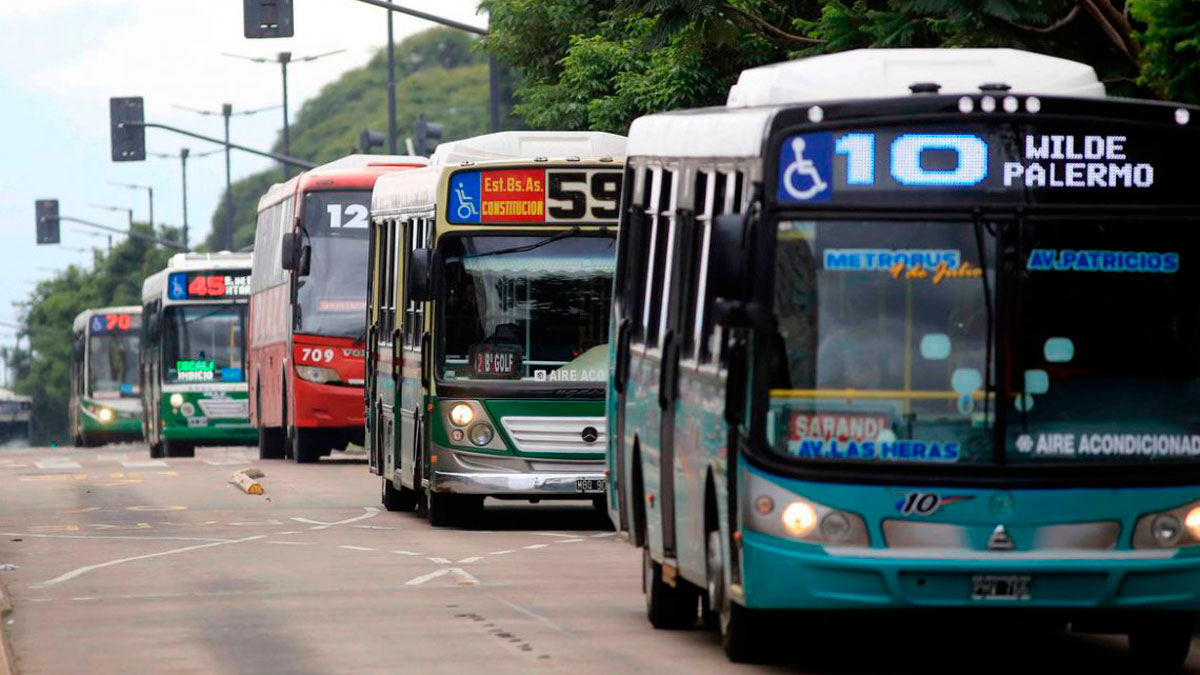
156, 451
446, 509
398, 498
270, 443
306, 445
739, 633
178, 449
1161, 645
714, 588
667, 607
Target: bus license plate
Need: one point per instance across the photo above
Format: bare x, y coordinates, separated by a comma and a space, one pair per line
998, 587
589, 485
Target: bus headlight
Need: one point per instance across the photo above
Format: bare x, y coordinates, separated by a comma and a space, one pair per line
1169, 529
481, 434
800, 518
104, 415
461, 414
317, 374
176, 400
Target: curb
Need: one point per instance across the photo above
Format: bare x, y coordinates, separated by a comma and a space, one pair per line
8, 665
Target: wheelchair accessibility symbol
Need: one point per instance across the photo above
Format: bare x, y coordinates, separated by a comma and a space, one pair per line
804, 167
467, 210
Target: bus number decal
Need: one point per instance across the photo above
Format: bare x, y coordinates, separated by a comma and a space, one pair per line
316, 355
495, 196
357, 214
926, 503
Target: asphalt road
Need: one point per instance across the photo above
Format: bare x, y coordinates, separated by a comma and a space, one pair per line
132, 565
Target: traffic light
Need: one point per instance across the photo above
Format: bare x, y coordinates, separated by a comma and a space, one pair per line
370, 139
267, 18
47, 221
425, 135
126, 118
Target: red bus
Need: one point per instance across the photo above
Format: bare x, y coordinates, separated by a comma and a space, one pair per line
308, 307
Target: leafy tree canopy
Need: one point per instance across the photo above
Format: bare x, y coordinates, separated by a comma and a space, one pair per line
600, 64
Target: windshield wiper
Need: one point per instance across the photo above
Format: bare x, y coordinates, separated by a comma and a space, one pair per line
528, 247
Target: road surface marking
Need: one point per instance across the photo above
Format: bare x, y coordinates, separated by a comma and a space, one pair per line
570, 541
224, 462
114, 536
470, 560
464, 578
144, 464
121, 561
86, 509
604, 534
534, 615
376, 527
440, 561
155, 508
56, 464
282, 533
54, 477
371, 512
112, 456
417, 581
269, 521
406, 553
531, 546
504, 552
553, 534
294, 543
358, 548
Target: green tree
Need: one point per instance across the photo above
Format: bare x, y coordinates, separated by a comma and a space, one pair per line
599, 65
41, 367
439, 74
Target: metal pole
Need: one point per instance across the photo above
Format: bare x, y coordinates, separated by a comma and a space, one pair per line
151, 191
493, 93
183, 155
110, 244
227, 111
284, 57
391, 87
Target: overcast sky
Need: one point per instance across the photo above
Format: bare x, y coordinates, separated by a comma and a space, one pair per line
61, 60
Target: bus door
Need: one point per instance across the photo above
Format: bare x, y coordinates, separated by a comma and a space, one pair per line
411, 360
370, 390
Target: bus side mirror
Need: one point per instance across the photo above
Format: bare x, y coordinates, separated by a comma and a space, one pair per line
419, 264
729, 270
288, 257
77, 349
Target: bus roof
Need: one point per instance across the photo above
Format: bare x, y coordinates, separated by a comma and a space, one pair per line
349, 172
81, 319
10, 395
529, 144
737, 129
154, 284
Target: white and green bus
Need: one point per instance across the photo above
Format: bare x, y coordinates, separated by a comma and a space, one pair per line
194, 354
106, 404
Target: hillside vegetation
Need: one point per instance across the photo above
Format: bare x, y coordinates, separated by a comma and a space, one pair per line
439, 75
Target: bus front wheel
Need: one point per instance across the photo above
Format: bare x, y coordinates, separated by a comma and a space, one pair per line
1162, 644
668, 607
177, 449
156, 450
306, 445
398, 498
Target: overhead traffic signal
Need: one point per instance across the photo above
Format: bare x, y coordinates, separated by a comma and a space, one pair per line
47, 221
370, 139
267, 18
126, 121
426, 135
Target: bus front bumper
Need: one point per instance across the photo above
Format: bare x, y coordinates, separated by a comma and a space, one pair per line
785, 575
515, 477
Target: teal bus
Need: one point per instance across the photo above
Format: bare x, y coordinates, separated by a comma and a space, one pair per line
193, 362
912, 330
106, 405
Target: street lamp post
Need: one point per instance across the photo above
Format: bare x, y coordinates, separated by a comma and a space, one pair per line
183, 156
113, 207
227, 112
135, 186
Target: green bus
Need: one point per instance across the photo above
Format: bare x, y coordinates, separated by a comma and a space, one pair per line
106, 403
194, 354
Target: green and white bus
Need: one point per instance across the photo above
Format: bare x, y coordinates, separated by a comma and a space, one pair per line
194, 354
905, 330
106, 404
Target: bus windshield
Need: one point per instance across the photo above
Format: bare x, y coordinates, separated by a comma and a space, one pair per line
113, 364
331, 300
529, 308
204, 343
881, 352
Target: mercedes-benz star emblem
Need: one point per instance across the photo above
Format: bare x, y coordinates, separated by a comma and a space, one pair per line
589, 434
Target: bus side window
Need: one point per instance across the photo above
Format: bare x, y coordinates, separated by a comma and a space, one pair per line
659, 226
411, 235
694, 304
636, 249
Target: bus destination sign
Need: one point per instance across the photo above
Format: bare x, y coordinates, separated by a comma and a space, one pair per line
534, 196
114, 323
1101, 163
208, 285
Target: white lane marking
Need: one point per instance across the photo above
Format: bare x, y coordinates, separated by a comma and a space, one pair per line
358, 548
120, 561
9, 464
569, 541
269, 521
532, 546
534, 615
294, 543
144, 464
406, 553
112, 456
224, 462
470, 560
375, 527
439, 561
371, 512
417, 581
504, 552
288, 532
553, 534
604, 534
464, 577
111, 536
57, 463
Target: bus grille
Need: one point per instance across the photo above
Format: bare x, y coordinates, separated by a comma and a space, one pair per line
555, 434
228, 407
